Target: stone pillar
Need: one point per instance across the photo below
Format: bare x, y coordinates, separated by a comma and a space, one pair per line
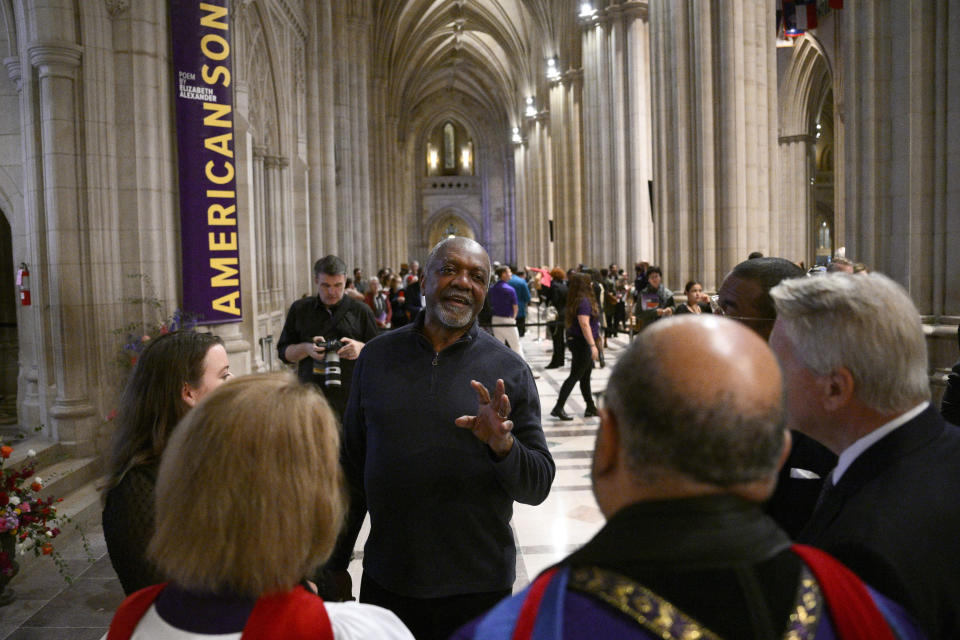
560, 214
793, 227
901, 146
32, 337
592, 184
617, 135
566, 192
902, 157
68, 292
328, 243
345, 209
260, 205
639, 146
573, 83
521, 163
274, 168
315, 118
613, 240
363, 233
601, 216
714, 78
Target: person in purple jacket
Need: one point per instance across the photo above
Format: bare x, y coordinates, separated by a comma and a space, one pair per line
687, 551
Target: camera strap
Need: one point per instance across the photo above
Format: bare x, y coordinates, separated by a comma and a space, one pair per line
334, 320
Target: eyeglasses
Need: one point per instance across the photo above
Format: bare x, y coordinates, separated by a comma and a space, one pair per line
718, 311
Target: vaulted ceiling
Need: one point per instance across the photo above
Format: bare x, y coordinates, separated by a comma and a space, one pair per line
493, 51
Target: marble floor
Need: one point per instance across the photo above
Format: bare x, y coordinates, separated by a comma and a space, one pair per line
46, 607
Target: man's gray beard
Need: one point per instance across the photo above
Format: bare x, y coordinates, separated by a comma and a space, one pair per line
454, 320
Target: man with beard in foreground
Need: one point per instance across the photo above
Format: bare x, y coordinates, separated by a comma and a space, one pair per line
442, 434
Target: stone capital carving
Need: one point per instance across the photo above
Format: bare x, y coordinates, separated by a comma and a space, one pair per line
259, 151
116, 7
13, 70
573, 77
55, 58
803, 137
636, 9
275, 162
587, 22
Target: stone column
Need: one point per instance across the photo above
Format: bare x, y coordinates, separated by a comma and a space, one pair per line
329, 242
576, 225
560, 213
273, 168
795, 197
639, 230
616, 232
591, 141
315, 118
901, 142
260, 200
601, 216
68, 293
521, 163
31, 334
345, 209
901, 146
363, 233
714, 78
617, 142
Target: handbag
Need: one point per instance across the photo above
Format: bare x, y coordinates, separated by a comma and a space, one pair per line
551, 314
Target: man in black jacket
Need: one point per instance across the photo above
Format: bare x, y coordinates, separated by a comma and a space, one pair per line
854, 360
440, 549
313, 322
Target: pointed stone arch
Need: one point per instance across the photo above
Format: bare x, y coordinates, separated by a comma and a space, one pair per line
450, 220
806, 88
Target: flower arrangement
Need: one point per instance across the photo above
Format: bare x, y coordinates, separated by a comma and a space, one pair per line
136, 335
27, 520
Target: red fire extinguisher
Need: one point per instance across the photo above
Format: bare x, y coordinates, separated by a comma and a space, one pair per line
23, 281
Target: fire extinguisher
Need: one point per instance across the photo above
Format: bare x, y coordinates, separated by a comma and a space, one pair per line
23, 281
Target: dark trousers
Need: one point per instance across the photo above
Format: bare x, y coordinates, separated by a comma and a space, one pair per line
557, 334
611, 324
431, 618
581, 366
521, 325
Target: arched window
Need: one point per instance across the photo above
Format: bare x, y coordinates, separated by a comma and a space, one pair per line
449, 147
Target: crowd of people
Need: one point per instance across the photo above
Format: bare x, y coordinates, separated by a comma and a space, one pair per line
808, 492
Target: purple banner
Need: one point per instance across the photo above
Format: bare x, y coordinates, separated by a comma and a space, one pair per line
208, 199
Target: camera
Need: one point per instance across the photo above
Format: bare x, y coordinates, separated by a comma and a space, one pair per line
329, 345
330, 368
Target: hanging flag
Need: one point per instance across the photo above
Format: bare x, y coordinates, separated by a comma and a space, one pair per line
800, 19
836, 4
203, 101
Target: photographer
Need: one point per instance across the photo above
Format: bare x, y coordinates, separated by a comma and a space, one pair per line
324, 334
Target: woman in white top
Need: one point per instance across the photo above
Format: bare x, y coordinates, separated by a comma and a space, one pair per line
250, 500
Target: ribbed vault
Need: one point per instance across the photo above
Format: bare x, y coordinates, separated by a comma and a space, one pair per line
490, 50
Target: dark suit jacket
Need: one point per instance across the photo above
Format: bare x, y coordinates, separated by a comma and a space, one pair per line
950, 406
894, 518
792, 503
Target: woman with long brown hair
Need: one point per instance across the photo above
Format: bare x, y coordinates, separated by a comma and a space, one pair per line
583, 330
171, 376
